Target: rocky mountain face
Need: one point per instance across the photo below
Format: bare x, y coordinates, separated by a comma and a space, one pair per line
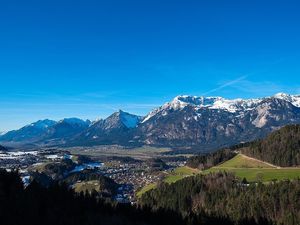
30, 133
46, 131
215, 122
64, 130
2, 148
68, 127
202, 123
116, 129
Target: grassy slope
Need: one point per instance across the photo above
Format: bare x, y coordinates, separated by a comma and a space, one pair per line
180, 173
242, 166
241, 161
144, 152
254, 170
87, 186
145, 189
175, 175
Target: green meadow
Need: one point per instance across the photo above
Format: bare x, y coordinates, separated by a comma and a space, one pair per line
255, 170
175, 175
242, 166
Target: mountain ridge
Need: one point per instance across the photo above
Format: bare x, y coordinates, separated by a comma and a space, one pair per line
204, 123
217, 102
201, 126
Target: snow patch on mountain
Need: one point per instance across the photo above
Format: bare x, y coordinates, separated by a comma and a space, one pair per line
75, 121
199, 103
293, 99
129, 120
218, 103
2, 132
42, 124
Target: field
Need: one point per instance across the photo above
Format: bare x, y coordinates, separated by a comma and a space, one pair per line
87, 186
241, 161
179, 173
141, 153
175, 175
145, 189
40, 167
255, 170
242, 166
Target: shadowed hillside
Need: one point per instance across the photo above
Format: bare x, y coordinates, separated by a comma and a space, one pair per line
281, 147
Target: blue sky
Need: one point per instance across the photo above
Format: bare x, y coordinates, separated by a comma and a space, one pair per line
90, 58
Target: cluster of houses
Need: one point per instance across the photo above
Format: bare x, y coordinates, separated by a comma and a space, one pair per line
131, 176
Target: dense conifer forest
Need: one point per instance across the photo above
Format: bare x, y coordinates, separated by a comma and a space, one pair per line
206, 161
59, 205
221, 195
281, 148
215, 198
203, 200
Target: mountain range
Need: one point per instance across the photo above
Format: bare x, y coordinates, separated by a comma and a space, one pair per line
201, 123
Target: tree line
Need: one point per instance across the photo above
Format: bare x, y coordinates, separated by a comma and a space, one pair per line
205, 161
221, 195
60, 205
281, 147
211, 199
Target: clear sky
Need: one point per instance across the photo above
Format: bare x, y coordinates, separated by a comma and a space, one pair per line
88, 59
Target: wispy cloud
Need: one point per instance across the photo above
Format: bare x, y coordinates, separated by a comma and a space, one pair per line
246, 87
263, 88
227, 84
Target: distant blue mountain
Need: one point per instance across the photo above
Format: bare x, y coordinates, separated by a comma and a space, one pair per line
202, 123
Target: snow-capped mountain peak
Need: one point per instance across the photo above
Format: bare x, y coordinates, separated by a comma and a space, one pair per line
217, 103
209, 122
197, 101
129, 120
42, 124
3, 132
231, 105
293, 99
281, 95
75, 121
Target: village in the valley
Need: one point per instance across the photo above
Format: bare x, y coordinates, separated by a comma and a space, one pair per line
129, 174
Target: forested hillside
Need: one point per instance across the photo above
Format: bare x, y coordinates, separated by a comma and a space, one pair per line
201, 200
205, 161
281, 147
60, 205
220, 195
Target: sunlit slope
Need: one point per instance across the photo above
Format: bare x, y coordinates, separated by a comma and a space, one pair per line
177, 174
256, 170
242, 161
